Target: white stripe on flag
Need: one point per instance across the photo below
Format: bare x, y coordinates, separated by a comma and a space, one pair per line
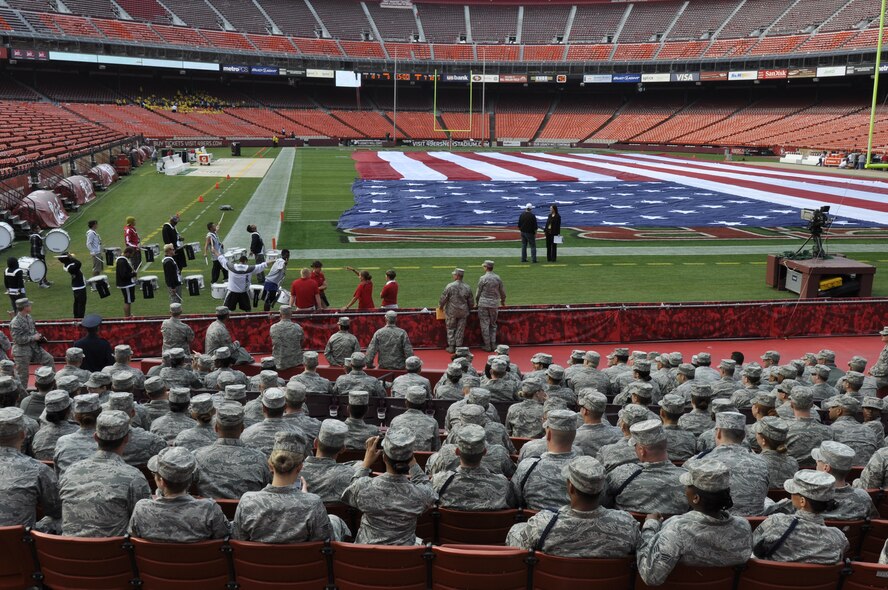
409, 168
489, 170
740, 191
581, 175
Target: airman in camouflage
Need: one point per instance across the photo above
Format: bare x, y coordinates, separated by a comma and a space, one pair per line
699, 419
358, 430
555, 388
475, 414
706, 440
322, 474
142, 445
475, 396
770, 433
309, 377
294, 412
158, 403
26, 342
357, 379
223, 360
456, 301
100, 492
261, 436
595, 432
179, 373
78, 445
24, 482
175, 332
502, 388
489, 296
538, 482
228, 468
202, 434
341, 345
621, 451
73, 360
414, 419
525, 419
497, 460
391, 343
846, 429
449, 387
123, 354
169, 426
853, 503
411, 378
588, 376
682, 444
44, 380
55, 424
472, 486
582, 529
872, 415
286, 340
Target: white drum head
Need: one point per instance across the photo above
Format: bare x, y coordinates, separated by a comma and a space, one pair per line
35, 269
219, 290
57, 240
284, 297
7, 235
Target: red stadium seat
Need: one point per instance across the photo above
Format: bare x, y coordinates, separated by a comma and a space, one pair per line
853, 530
685, 577
774, 575
181, 566
479, 567
866, 576
881, 502
874, 540
261, 566
363, 567
74, 563
560, 573
480, 528
17, 565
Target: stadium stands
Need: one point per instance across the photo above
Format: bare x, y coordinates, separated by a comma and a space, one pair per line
519, 119
648, 21
410, 51
362, 49
197, 13
442, 23
493, 24
243, 16
805, 15
638, 115
417, 125
393, 24
147, 10
453, 52
693, 117
293, 17
754, 17
576, 117
344, 19
543, 24
596, 23
853, 15
701, 20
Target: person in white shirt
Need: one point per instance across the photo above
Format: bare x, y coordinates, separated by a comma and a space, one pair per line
94, 246
274, 279
240, 276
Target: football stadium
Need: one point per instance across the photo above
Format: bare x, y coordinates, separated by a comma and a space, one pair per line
452, 294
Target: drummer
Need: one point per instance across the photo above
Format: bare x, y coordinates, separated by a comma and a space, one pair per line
212, 245
78, 286
14, 281
125, 279
172, 236
240, 275
171, 273
273, 280
94, 246
38, 252
132, 242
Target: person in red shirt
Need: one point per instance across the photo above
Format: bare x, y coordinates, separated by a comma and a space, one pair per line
364, 292
389, 292
131, 239
304, 294
318, 276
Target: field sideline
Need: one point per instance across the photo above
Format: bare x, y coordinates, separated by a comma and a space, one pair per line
320, 190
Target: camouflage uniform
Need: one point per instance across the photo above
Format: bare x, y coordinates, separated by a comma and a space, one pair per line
392, 345
497, 460
544, 487
24, 483
601, 533
358, 433
805, 434
179, 377
313, 382
138, 376
448, 390
98, 495
308, 425
261, 436
141, 446
358, 380
847, 430
682, 444
228, 469
286, 344
496, 435
176, 334
169, 426
402, 382
875, 474
811, 542
587, 377
44, 443
451, 419
525, 419
456, 301
33, 404
391, 505
655, 489
724, 387
154, 409
616, 454
210, 381
489, 295
180, 519
854, 504
74, 447
591, 438
693, 539
823, 391
217, 336
81, 374
781, 466
198, 436
279, 514
340, 346
696, 422
24, 350
327, 478
423, 427
474, 488
877, 427
749, 477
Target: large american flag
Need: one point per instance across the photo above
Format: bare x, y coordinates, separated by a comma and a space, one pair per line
460, 189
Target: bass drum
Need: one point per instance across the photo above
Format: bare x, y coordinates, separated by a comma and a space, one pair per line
57, 240
7, 235
34, 268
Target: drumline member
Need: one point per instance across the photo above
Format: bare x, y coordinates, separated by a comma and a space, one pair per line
132, 241
14, 281
257, 249
38, 252
273, 280
171, 273
125, 279
240, 275
172, 236
78, 286
94, 246
212, 245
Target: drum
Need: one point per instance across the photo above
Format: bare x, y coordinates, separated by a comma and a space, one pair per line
192, 248
57, 240
194, 283
7, 235
284, 297
111, 255
234, 254
34, 268
255, 294
148, 284
99, 283
272, 255
219, 290
151, 250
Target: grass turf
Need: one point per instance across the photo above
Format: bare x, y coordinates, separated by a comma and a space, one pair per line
320, 190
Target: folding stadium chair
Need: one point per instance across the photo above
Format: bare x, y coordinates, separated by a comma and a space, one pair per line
16, 563
261, 566
873, 541
865, 576
372, 567
478, 528
881, 501
755, 521
853, 530
422, 457
425, 526
74, 563
695, 578
229, 507
774, 575
561, 573
182, 566
479, 567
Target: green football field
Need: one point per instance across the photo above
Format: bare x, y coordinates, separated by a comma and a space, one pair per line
320, 190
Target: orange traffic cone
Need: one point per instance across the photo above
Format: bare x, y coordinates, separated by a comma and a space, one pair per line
217, 185
200, 199
228, 177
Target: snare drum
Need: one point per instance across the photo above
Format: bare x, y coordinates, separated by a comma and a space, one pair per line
194, 283
255, 294
219, 290
7, 235
148, 284
57, 240
34, 268
284, 297
151, 250
192, 248
272, 255
100, 284
111, 255
234, 254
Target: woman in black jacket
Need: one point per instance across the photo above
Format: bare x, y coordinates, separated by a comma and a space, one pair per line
553, 228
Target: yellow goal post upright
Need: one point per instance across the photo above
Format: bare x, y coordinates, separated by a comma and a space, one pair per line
435, 126
872, 124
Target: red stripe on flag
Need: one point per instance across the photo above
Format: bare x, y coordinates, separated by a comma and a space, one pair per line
769, 188
525, 169
371, 167
449, 169
627, 176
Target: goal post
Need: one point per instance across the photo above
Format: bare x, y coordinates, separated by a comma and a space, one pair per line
435, 126
872, 122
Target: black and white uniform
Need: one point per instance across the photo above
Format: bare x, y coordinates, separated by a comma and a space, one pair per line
78, 286
172, 278
125, 278
218, 268
172, 236
14, 281
239, 279
257, 249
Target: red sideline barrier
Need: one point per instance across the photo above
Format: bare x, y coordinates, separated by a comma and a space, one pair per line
631, 322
